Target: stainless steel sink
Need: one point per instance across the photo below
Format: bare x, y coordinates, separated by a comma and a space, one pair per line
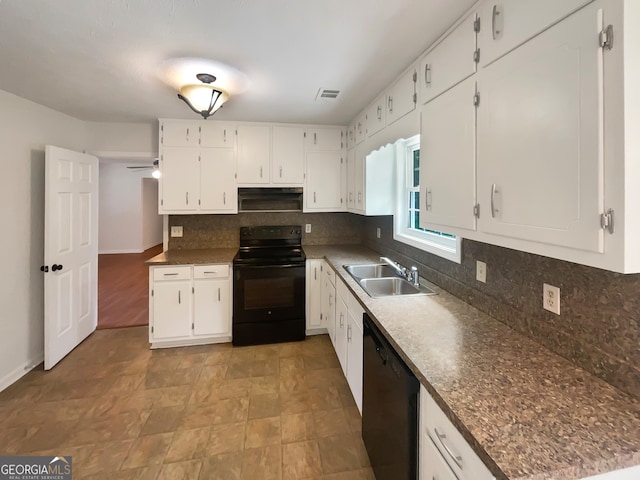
386, 287
380, 280
377, 270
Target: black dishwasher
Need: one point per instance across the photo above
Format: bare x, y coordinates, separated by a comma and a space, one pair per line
389, 409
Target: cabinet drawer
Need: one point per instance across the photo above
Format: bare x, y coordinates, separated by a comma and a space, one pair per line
329, 273
171, 273
210, 271
506, 24
449, 442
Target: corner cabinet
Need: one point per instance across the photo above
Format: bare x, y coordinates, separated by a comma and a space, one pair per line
189, 305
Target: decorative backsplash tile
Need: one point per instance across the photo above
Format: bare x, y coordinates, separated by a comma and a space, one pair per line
599, 325
222, 231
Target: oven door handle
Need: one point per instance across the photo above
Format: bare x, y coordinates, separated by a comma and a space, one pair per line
288, 265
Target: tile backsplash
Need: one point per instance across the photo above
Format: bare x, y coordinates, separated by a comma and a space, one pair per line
599, 325
222, 231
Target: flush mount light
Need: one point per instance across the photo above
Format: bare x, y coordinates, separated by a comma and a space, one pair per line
203, 98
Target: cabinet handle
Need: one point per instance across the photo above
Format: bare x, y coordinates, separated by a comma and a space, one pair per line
169, 274
496, 22
442, 437
260, 172
207, 273
349, 333
179, 296
315, 138
224, 135
494, 190
280, 171
187, 134
379, 112
330, 301
218, 293
341, 320
187, 197
428, 199
314, 197
427, 74
390, 103
359, 197
224, 198
315, 273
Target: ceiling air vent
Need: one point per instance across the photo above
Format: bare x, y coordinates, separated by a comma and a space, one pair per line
326, 94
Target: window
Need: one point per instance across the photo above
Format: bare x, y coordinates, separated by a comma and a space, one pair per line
406, 220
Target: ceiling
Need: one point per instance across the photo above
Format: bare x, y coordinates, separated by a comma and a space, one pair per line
99, 60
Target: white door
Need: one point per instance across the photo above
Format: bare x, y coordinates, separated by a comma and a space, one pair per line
288, 155
341, 332
254, 154
401, 97
180, 180
70, 251
172, 309
211, 307
218, 188
325, 182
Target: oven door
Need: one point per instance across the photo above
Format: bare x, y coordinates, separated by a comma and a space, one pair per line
268, 303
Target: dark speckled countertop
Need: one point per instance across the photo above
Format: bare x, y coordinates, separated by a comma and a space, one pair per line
528, 413
193, 257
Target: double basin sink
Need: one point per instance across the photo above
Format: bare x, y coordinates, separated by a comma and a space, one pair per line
382, 280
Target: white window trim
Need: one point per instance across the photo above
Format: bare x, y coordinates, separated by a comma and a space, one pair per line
443, 247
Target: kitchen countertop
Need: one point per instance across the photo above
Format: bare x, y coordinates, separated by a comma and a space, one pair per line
193, 257
527, 412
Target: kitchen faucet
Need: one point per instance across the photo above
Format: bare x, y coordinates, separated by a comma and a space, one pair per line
410, 274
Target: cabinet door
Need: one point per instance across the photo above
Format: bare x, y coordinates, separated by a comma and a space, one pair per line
328, 294
360, 180
218, 188
448, 159
322, 139
325, 182
288, 155
351, 135
401, 97
171, 309
254, 154
375, 116
217, 134
361, 132
212, 307
179, 133
506, 24
351, 179
450, 62
180, 180
540, 138
314, 292
341, 332
354, 353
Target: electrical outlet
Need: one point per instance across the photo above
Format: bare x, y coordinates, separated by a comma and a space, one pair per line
176, 231
481, 271
378, 232
307, 228
551, 298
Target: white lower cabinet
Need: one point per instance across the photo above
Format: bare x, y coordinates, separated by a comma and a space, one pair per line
189, 305
328, 300
444, 453
349, 336
314, 279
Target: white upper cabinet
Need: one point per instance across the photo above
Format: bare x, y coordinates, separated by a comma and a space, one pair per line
448, 159
451, 61
325, 184
360, 128
402, 96
375, 116
179, 188
179, 133
254, 154
371, 180
287, 163
506, 24
540, 138
351, 179
218, 190
217, 134
320, 139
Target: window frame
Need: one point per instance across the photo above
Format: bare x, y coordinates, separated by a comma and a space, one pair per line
445, 247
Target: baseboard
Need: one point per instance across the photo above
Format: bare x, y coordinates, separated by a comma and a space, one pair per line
109, 252
20, 371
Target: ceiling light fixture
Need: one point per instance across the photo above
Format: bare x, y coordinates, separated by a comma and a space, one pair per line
203, 98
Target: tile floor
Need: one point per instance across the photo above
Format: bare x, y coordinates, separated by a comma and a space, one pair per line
212, 412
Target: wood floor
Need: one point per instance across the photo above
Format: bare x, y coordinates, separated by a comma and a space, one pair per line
214, 412
123, 289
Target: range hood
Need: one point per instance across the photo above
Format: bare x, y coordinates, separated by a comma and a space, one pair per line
272, 199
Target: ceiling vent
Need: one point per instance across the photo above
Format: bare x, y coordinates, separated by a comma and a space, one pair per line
325, 94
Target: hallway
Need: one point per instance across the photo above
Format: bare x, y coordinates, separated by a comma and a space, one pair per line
123, 289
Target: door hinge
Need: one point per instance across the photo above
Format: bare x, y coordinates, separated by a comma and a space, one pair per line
152, 292
341, 160
606, 37
476, 99
193, 326
415, 77
235, 175
415, 98
476, 25
606, 221
161, 201
193, 290
476, 56
199, 202
151, 329
321, 316
305, 134
476, 210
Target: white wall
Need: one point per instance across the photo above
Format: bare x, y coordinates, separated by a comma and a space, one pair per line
123, 139
122, 223
25, 128
151, 221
